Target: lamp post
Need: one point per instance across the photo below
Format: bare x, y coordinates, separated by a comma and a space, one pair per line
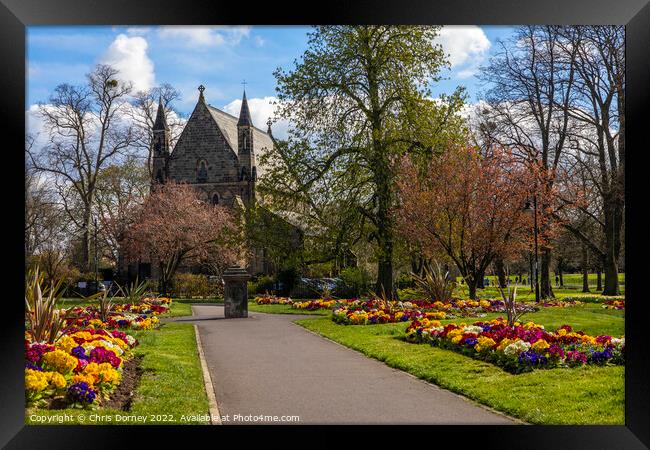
533, 210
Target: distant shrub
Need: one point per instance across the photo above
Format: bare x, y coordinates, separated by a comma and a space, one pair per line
261, 285
188, 285
288, 279
410, 293
354, 283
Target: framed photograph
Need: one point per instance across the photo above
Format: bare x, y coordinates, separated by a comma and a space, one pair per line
408, 215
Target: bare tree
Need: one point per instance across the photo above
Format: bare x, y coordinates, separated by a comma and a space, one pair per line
143, 115
531, 88
86, 132
599, 140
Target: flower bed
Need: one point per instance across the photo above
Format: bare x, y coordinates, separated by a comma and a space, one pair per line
80, 369
562, 303
520, 348
273, 300
89, 317
614, 304
374, 311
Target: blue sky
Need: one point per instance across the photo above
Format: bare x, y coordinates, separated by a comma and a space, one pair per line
217, 57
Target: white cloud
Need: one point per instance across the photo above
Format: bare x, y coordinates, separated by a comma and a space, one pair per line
466, 46
129, 56
138, 31
261, 109
204, 36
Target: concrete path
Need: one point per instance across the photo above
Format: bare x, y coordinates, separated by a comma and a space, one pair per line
266, 365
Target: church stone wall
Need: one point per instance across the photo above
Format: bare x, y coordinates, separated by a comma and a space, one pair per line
202, 140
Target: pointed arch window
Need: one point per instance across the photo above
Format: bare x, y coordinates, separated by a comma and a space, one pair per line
215, 199
159, 176
244, 174
202, 172
254, 174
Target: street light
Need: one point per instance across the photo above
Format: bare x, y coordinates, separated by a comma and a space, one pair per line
533, 210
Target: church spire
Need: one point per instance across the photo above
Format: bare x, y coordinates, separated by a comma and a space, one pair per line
160, 123
244, 114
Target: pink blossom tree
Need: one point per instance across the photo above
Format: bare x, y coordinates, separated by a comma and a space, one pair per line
174, 226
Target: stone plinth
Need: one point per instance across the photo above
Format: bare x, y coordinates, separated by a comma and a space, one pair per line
236, 292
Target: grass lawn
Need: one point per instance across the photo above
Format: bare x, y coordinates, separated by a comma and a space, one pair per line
589, 395
525, 294
283, 309
171, 384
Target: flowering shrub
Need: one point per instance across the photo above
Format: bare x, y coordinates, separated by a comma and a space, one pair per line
273, 300
82, 367
522, 347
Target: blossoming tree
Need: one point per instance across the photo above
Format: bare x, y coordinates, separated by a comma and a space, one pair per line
174, 226
467, 206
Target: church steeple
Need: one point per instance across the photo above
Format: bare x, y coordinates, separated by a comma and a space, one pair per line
160, 146
161, 122
244, 113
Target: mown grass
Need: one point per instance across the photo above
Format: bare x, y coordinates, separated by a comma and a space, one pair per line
589, 395
171, 384
284, 309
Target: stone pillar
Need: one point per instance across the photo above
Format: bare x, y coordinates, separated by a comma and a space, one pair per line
235, 295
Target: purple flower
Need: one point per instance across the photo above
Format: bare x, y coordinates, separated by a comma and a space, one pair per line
81, 393
471, 342
29, 365
532, 358
601, 357
79, 352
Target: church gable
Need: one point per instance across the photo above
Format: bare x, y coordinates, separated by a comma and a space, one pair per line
203, 153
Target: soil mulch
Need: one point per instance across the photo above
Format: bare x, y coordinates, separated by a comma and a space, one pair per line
122, 397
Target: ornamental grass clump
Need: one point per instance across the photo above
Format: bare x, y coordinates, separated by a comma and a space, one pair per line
436, 283
44, 322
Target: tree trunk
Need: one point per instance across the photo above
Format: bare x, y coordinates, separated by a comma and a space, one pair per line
471, 285
599, 279
479, 280
546, 288
560, 266
611, 254
501, 273
585, 269
531, 268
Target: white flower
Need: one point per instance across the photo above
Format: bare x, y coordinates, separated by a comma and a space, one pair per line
473, 329
516, 347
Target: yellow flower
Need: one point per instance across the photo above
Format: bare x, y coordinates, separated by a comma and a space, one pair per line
504, 343
456, 339
561, 332
56, 379
485, 342
81, 378
66, 343
453, 333
35, 381
96, 323
540, 345
60, 360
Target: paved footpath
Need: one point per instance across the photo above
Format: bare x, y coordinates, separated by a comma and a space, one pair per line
267, 365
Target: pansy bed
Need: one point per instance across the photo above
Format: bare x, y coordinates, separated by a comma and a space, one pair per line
81, 369
522, 347
137, 316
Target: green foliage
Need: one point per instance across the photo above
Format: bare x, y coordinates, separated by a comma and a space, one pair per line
193, 285
593, 298
356, 282
410, 294
289, 279
133, 292
44, 321
261, 285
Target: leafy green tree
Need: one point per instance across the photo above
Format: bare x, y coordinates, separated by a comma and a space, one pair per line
357, 100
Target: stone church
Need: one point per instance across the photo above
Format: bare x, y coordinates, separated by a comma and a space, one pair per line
218, 154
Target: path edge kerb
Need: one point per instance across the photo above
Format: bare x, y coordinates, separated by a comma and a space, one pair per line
516, 420
213, 407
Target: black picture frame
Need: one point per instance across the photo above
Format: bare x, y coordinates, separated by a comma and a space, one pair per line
634, 14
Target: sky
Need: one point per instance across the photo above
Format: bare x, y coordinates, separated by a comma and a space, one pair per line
220, 58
